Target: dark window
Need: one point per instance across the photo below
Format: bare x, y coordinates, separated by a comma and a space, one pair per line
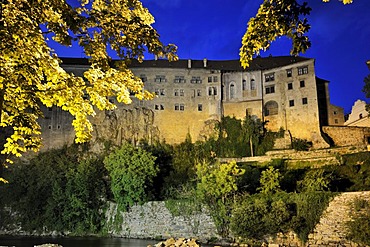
143, 78
199, 92
291, 103
182, 107
270, 89
179, 79
289, 72
302, 70
177, 107
302, 84
209, 78
336, 121
196, 80
161, 92
176, 92
253, 84
181, 92
215, 79
160, 78
200, 107
304, 101
290, 86
244, 85
270, 77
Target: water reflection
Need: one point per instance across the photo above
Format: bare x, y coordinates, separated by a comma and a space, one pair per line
20, 241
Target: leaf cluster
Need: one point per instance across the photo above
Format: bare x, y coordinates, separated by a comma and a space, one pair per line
31, 73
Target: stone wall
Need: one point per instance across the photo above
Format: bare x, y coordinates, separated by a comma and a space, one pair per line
348, 136
331, 230
153, 220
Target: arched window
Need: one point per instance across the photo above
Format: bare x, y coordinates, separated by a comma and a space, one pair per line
253, 84
232, 91
244, 85
271, 108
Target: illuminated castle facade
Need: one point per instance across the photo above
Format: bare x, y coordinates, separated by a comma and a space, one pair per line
191, 95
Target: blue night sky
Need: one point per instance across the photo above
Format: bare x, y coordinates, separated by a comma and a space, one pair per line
213, 29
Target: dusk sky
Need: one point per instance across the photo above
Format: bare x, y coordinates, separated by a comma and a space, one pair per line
213, 29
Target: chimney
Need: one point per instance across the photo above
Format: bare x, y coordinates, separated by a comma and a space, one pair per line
205, 62
189, 63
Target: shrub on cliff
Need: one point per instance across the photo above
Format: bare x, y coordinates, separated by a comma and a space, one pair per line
359, 226
131, 171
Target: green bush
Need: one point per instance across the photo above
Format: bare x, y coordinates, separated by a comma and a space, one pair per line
254, 216
314, 180
270, 180
359, 226
56, 191
131, 171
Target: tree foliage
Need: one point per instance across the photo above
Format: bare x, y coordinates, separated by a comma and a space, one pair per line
274, 19
31, 73
131, 171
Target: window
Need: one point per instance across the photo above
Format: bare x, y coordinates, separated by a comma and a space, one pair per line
289, 72
160, 78
304, 101
271, 108
253, 84
303, 70
161, 92
181, 92
156, 91
270, 89
179, 107
179, 79
196, 80
212, 79
291, 103
270, 77
232, 91
302, 84
200, 107
176, 92
212, 91
290, 86
182, 107
335, 113
143, 78
244, 85
199, 92
360, 116
336, 121
159, 107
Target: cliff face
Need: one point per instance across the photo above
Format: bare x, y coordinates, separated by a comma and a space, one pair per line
132, 124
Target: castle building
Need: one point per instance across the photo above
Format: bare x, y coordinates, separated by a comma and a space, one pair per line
191, 95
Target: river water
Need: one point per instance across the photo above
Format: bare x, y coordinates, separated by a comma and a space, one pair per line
20, 241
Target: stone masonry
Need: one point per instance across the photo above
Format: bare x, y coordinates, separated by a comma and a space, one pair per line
331, 229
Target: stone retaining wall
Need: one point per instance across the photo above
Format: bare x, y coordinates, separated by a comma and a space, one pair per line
153, 220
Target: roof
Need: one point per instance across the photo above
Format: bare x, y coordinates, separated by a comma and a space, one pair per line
259, 63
